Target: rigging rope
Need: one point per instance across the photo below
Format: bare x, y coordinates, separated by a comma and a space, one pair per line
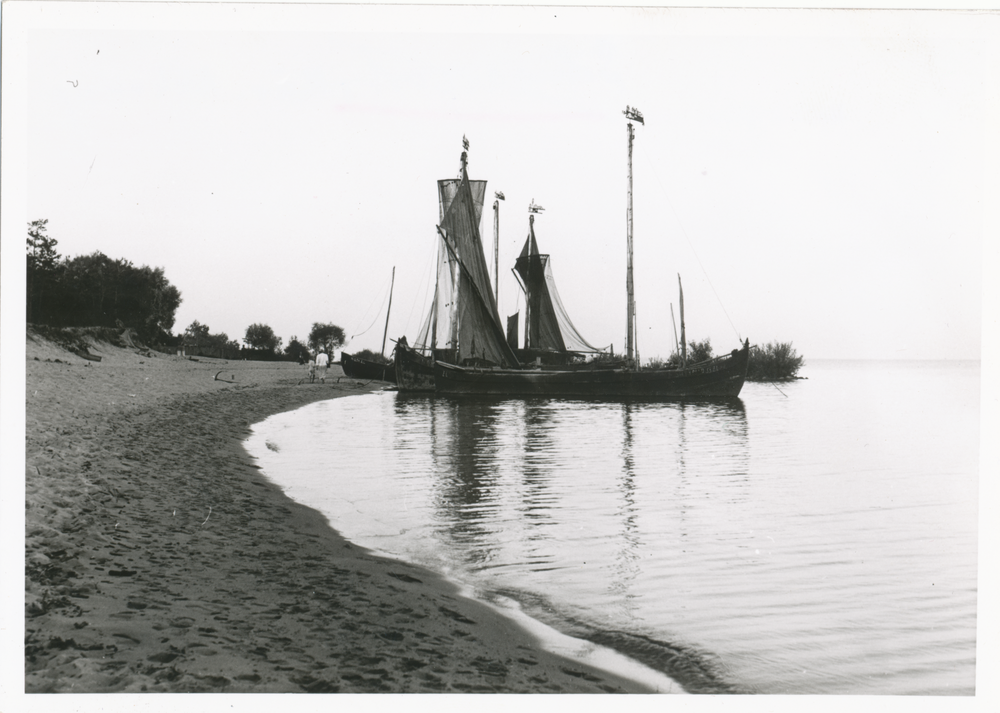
690, 245
384, 295
431, 257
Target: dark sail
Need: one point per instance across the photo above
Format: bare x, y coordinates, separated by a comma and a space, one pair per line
541, 328
547, 325
512, 321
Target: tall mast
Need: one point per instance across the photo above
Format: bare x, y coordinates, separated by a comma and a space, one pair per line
496, 246
630, 325
434, 315
389, 310
527, 284
632, 114
455, 313
684, 351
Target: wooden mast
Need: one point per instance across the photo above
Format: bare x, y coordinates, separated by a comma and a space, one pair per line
456, 340
496, 247
635, 341
674, 322
434, 309
630, 324
683, 336
527, 280
632, 114
389, 310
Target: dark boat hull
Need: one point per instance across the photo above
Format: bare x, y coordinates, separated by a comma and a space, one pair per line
414, 371
364, 369
719, 377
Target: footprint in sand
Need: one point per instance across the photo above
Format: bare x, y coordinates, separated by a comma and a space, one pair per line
455, 615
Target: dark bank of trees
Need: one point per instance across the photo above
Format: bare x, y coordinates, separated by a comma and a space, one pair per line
96, 291
198, 340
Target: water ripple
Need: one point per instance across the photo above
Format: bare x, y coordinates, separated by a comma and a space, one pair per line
823, 542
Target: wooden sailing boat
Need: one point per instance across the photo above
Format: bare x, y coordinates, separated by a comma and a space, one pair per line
358, 368
719, 377
462, 326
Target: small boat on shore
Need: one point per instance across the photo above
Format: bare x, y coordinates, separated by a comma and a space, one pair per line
358, 368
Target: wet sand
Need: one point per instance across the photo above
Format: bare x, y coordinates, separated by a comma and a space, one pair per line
158, 558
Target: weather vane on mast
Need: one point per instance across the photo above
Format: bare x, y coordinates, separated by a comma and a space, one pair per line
633, 114
465, 155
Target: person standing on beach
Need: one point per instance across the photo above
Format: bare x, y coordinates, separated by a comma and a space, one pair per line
322, 364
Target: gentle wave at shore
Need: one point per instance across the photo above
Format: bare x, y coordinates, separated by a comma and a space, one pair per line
158, 559
783, 544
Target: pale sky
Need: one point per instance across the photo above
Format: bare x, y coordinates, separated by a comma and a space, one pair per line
828, 178
819, 177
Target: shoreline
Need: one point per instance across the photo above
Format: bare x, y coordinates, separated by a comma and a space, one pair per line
159, 558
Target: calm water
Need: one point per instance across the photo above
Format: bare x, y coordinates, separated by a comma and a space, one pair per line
819, 540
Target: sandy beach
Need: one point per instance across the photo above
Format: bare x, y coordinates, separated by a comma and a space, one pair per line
159, 558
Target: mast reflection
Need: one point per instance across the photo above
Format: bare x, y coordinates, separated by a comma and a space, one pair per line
533, 482
626, 565
464, 450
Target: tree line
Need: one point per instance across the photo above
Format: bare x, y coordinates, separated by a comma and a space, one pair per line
98, 291
261, 343
95, 290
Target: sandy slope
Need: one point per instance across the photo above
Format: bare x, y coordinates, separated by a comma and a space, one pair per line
159, 559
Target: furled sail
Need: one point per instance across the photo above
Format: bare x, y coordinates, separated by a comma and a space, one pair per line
463, 316
547, 325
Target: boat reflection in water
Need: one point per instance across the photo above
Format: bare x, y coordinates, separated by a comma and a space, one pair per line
578, 510
823, 543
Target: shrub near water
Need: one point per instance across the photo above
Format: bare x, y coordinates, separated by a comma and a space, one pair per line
696, 352
775, 361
